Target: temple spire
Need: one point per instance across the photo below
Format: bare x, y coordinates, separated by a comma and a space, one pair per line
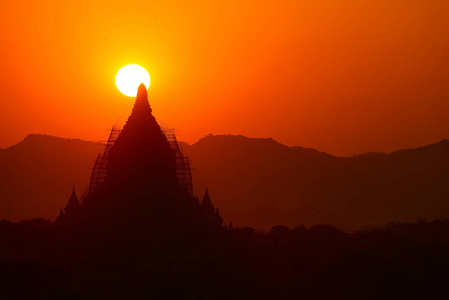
73, 198
210, 213
142, 96
73, 204
141, 152
206, 204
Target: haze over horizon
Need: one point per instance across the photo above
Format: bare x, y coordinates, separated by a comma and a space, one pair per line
343, 77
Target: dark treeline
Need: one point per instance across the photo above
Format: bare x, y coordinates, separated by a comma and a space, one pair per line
41, 259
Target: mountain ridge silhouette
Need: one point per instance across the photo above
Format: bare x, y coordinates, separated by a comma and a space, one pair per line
40, 169
261, 183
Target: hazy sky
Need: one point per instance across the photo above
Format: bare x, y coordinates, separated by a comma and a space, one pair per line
343, 77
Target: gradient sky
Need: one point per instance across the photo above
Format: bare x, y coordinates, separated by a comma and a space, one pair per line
343, 77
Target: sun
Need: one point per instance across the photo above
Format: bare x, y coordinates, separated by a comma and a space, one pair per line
129, 78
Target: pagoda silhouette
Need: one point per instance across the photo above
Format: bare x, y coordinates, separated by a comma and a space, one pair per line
138, 229
141, 180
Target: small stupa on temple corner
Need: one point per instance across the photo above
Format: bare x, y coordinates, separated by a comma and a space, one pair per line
73, 206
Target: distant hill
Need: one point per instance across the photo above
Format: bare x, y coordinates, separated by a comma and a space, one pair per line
260, 182
37, 174
254, 182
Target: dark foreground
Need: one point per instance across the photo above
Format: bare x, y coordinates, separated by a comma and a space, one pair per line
44, 260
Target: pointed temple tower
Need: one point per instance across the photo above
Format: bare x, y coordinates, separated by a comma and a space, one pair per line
142, 154
143, 180
73, 204
140, 174
209, 211
101, 166
206, 203
140, 164
72, 208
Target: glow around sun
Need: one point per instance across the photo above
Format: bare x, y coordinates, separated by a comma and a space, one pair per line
129, 78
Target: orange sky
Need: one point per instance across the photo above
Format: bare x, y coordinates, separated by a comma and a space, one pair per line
343, 77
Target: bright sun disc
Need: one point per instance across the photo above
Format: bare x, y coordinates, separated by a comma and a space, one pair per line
130, 77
